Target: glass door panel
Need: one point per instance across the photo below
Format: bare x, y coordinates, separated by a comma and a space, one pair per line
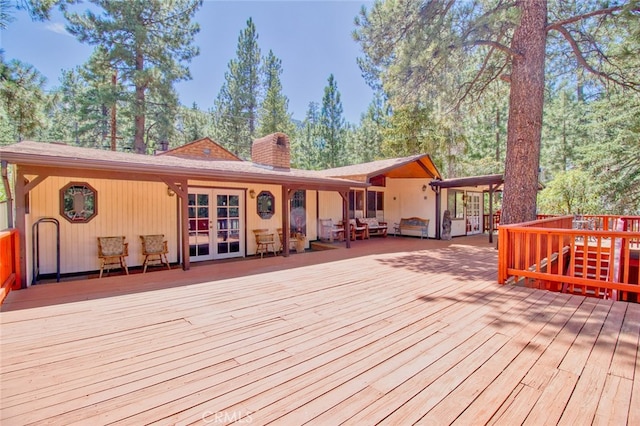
229, 242
199, 226
225, 209
474, 213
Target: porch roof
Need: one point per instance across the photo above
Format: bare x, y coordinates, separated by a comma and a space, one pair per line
485, 180
414, 166
147, 167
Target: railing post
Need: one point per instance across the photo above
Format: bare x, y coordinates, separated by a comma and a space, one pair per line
9, 262
503, 248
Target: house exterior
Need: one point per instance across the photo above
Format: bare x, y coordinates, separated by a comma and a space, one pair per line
397, 188
201, 197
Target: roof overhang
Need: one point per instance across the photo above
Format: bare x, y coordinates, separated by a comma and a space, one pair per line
375, 172
486, 180
62, 160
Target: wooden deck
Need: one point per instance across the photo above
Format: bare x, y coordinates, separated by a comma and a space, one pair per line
394, 331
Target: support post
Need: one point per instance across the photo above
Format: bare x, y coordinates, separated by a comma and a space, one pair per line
438, 212
285, 220
7, 191
21, 224
490, 213
345, 217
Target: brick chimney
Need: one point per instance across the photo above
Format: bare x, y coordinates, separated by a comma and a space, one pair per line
272, 151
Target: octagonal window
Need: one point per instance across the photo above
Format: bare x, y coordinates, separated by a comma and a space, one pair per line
78, 202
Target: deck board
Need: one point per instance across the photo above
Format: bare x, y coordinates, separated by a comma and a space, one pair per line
391, 331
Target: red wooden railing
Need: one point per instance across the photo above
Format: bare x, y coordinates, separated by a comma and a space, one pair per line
496, 220
549, 253
486, 223
9, 262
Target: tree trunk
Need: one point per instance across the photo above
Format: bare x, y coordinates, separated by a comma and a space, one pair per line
139, 145
526, 100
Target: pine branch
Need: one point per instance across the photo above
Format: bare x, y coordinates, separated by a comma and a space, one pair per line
582, 61
560, 24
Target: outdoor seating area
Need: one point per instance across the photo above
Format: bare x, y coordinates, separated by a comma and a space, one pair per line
412, 226
112, 251
328, 231
374, 227
268, 342
358, 230
296, 241
154, 249
265, 242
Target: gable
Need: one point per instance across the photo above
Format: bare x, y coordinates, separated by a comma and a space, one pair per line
202, 149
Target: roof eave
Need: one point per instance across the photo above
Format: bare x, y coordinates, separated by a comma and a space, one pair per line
183, 172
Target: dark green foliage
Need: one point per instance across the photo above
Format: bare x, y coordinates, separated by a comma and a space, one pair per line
237, 102
148, 43
332, 128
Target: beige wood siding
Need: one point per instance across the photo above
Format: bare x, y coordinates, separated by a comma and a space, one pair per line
405, 198
124, 208
330, 206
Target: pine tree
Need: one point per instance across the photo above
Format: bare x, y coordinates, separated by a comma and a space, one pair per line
432, 51
148, 43
23, 98
238, 99
94, 97
305, 148
274, 115
332, 127
193, 124
367, 140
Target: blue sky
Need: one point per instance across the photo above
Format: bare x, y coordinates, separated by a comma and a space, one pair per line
313, 40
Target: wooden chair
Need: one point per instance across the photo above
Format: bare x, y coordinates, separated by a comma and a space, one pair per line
293, 240
154, 249
264, 239
112, 251
356, 230
329, 231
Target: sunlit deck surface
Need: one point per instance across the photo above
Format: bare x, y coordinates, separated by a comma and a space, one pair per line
393, 331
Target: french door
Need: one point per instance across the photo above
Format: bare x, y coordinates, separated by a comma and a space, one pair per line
216, 224
474, 213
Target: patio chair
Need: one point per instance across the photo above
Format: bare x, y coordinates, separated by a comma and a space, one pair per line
112, 251
154, 249
292, 240
264, 239
329, 231
361, 230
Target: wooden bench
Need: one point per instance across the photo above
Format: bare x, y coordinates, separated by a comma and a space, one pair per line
374, 227
329, 231
356, 229
412, 224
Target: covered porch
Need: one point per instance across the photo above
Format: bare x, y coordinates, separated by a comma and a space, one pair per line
394, 330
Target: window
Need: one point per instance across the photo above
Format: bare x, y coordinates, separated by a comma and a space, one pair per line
455, 203
78, 202
298, 219
266, 205
356, 204
375, 204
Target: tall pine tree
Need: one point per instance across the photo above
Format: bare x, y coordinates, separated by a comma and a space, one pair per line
305, 148
148, 42
332, 127
238, 99
274, 115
